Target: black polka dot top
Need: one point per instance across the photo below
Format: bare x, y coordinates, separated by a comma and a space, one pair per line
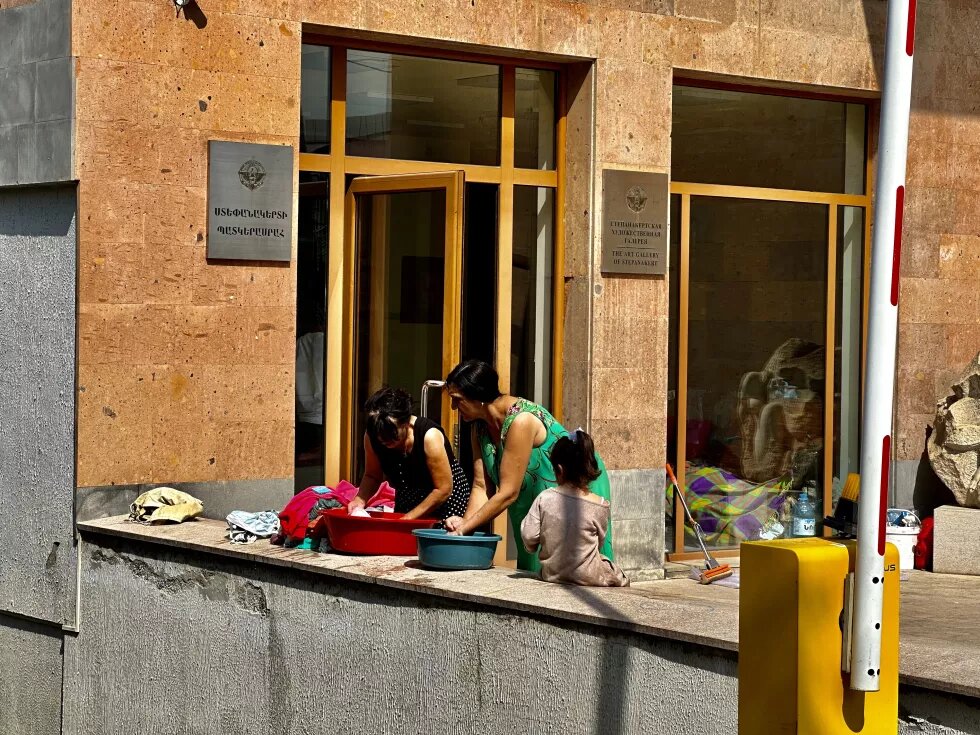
409, 474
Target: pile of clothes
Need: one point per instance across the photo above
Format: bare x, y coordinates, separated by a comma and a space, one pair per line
301, 524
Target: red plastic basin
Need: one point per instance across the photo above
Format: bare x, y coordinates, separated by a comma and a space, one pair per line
382, 534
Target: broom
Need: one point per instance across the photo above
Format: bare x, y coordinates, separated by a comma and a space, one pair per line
713, 571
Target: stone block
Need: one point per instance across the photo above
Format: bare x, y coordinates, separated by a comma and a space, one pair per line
629, 393
27, 167
959, 256
623, 135
50, 30
918, 345
962, 341
956, 541
17, 85
13, 32
954, 446
54, 151
53, 100
8, 154
937, 301
629, 443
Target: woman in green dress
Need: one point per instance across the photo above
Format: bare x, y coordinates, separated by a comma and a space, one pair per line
512, 445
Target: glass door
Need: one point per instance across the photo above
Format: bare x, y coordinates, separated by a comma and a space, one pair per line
403, 282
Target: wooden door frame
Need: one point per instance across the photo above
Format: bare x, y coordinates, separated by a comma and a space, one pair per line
452, 183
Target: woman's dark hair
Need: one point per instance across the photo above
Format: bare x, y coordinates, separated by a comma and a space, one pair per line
386, 410
476, 379
575, 454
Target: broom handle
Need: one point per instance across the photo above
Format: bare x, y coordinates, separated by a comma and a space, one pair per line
694, 523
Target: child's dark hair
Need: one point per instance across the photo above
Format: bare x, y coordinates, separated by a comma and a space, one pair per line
386, 410
575, 454
476, 379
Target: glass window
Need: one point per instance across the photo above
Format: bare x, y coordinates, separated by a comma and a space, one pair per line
311, 318
755, 373
748, 139
421, 109
314, 109
847, 372
400, 282
532, 293
534, 119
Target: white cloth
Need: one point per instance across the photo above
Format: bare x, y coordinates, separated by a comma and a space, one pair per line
309, 378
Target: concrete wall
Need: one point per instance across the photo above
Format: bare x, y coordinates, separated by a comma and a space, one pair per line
36, 92
278, 651
178, 642
30, 678
37, 403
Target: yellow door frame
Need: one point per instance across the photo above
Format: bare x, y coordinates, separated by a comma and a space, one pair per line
833, 203
452, 184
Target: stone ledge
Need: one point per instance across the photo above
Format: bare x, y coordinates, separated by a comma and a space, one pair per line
939, 649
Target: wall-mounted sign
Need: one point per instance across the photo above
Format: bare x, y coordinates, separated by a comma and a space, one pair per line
250, 201
634, 222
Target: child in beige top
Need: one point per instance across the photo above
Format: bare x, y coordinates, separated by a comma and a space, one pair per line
567, 524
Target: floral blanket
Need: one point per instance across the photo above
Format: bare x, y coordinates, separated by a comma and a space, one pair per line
729, 510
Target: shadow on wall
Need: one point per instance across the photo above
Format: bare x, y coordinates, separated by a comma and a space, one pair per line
55, 221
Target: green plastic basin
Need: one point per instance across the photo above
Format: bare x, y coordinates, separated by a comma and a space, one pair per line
439, 550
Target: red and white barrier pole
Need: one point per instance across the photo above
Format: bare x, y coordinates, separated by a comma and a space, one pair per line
879, 383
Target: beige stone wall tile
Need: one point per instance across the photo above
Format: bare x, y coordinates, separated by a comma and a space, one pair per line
272, 332
125, 334
920, 254
959, 257
174, 215
910, 434
217, 281
928, 209
132, 273
928, 164
731, 49
557, 26
107, 90
633, 115
938, 301
963, 167
918, 346
962, 342
634, 342
211, 335
914, 391
629, 394
269, 284
630, 444
724, 12
108, 211
813, 59
840, 18
268, 449
267, 392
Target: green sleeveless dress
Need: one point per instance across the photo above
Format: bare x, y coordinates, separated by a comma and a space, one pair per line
538, 477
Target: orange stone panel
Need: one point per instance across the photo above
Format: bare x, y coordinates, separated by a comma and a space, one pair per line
630, 444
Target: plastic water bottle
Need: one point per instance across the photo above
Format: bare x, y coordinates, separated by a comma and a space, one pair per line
804, 516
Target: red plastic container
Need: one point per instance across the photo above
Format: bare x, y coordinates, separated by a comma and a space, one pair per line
383, 534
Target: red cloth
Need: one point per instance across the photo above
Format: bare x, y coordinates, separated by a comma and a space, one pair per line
922, 551
385, 497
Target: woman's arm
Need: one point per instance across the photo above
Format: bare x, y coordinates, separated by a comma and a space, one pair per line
513, 465
531, 527
479, 492
373, 475
437, 461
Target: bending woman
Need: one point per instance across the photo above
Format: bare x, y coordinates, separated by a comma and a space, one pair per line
414, 456
511, 449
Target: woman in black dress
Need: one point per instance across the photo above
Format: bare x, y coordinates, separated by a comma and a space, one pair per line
413, 454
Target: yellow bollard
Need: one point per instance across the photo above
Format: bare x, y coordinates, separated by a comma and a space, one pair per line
791, 602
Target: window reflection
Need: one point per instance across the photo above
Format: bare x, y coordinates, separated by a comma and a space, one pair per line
534, 119
314, 129
532, 289
422, 109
